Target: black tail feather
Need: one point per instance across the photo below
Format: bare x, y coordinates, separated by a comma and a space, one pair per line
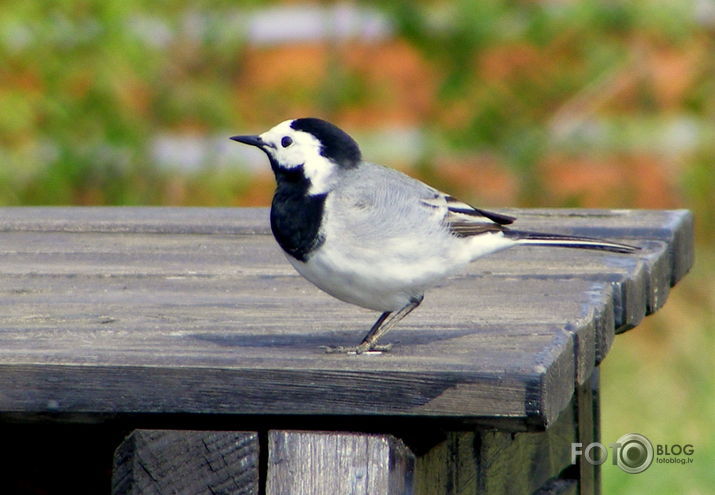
570, 241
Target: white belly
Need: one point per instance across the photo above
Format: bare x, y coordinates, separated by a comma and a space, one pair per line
382, 266
380, 278
376, 290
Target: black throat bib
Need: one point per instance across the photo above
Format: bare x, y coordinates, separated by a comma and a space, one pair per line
295, 215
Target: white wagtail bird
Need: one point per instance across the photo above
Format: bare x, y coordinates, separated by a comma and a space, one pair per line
373, 236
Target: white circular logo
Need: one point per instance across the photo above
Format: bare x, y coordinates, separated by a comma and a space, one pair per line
635, 454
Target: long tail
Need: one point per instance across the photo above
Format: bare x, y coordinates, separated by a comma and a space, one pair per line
570, 241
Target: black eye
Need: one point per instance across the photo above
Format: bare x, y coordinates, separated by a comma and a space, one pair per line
286, 141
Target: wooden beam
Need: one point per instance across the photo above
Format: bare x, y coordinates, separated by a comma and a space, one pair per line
331, 463
493, 462
178, 461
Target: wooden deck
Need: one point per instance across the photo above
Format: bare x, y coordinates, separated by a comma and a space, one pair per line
195, 313
137, 310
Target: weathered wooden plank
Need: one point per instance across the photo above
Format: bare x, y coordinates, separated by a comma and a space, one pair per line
330, 463
119, 299
496, 462
91, 389
587, 424
449, 468
655, 224
595, 400
523, 462
630, 277
177, 461
130, 219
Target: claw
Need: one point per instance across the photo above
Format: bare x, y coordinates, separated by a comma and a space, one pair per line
355, 350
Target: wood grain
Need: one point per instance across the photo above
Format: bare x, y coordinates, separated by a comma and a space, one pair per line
196, 310
197, 462
497, 462
330, 463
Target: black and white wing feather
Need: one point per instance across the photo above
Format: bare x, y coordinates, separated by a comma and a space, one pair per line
464, 220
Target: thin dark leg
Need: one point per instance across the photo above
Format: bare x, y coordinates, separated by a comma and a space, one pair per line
385, 322
376, 327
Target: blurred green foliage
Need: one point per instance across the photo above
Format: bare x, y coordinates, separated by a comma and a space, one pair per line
543, 90
85, 87
568, 47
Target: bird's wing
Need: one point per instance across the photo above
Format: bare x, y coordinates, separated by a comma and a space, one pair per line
369, 190
465, 220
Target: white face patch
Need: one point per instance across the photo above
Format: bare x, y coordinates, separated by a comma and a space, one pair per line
292, 148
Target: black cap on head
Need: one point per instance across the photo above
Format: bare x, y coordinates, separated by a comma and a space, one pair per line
336, 143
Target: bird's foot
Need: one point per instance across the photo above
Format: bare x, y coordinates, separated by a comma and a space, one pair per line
357, 349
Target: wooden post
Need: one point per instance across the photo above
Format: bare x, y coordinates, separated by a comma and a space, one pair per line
588, 421
497, 462
196, 462
336, 463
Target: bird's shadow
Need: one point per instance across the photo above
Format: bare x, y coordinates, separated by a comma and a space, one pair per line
340, 338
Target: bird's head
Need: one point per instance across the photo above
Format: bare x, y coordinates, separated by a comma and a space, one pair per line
307, 149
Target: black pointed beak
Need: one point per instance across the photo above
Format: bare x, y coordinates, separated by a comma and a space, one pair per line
250, 140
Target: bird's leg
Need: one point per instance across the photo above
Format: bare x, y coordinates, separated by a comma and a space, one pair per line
385, 322
374, 333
